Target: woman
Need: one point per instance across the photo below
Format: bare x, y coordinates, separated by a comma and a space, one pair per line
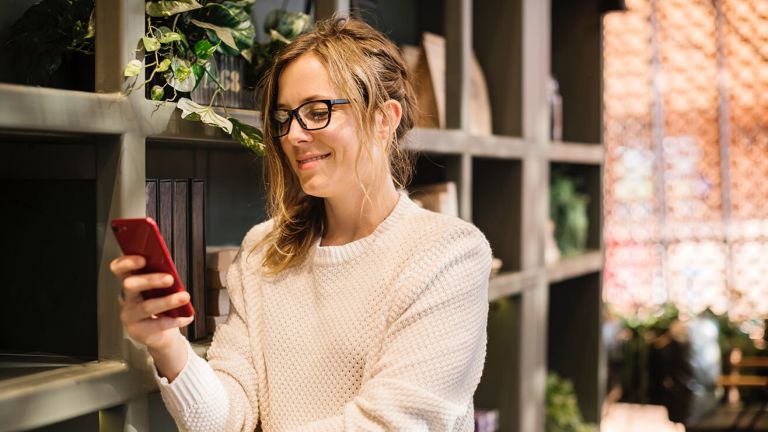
351, 308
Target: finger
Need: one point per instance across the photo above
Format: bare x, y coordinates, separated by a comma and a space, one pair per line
155, 306
149, 331
133, 285
123, 265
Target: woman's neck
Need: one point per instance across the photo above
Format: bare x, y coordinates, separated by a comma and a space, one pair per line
355, 216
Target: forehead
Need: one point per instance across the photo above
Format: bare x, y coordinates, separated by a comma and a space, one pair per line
304, 79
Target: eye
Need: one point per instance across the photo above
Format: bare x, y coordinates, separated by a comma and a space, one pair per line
280, 116
319, 114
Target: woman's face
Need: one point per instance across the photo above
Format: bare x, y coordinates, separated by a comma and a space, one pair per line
324, 160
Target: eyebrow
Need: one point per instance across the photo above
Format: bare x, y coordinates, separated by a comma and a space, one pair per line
306, 99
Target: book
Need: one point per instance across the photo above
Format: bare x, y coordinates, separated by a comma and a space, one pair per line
165, 211
215, 280
179, 234
150, 194
438, 197
196, 263
217, 302
213, 322
219, 258
427, 64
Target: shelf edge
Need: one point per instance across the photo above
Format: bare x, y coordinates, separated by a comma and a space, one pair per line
569, 268
55, 110
49, 397
580, 153
510, 284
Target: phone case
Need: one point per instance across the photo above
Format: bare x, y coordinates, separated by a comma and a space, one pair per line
141, 236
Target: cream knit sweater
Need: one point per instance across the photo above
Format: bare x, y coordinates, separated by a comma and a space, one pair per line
384, 333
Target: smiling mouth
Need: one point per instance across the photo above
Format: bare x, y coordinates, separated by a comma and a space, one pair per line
304, 162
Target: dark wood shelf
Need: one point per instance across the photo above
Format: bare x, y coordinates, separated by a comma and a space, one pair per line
508, 284
573, 267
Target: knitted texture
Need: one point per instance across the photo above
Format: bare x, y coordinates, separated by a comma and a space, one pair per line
384, 333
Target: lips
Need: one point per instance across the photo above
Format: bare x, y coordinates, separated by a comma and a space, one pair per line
309, 162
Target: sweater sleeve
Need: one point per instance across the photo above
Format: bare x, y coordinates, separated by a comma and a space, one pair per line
220, 394
433, 351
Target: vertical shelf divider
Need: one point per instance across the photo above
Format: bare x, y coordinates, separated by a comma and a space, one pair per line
535, 126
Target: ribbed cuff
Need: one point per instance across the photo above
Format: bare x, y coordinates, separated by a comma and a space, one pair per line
193, 385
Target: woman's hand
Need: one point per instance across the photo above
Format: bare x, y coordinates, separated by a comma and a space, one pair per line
140, 317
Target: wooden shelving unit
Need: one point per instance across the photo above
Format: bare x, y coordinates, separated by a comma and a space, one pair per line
503, 188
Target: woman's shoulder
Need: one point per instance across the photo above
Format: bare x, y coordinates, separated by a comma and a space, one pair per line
257, 233
430, 229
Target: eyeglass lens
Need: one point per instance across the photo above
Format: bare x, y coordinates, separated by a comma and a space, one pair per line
312, 116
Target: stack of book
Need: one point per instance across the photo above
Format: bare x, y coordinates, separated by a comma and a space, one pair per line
438, 197
218, 260
178, 207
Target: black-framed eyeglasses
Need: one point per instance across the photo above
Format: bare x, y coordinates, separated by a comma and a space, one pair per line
312, 115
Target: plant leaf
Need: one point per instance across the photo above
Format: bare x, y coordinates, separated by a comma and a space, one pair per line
91, 26
293, 24
247, 54
133, 68
248, 136
157, 93
276, 36
170, 37
198, 72
194, 111
204, 49
180, 76
165, 8
224, 14
163, 66
150, 44
223, 33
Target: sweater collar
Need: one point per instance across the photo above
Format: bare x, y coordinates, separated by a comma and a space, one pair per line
332, 255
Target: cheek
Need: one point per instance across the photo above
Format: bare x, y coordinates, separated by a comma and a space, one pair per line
285, 153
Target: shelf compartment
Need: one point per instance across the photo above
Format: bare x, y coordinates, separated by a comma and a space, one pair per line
576, 266
497, 207
588, 154
500, 383
234, 196
500, 54
588, 180
50, 199
576, 62
49, 397
574, 343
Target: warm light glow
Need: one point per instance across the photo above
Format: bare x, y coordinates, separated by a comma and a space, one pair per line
686, 83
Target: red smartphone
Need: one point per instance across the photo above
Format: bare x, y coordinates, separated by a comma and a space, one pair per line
141, 236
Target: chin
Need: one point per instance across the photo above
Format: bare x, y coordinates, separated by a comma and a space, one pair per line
315, 190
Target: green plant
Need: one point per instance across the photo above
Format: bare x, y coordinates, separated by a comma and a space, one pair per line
642, 331
568, 210
562, 410
44, 38
182, 38
282, 27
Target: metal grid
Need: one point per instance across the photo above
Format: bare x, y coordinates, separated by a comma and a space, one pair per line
686, 134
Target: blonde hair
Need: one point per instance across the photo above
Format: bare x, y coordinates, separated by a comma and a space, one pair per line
368, 69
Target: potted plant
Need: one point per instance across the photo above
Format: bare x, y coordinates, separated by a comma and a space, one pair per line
179, 46
51, 45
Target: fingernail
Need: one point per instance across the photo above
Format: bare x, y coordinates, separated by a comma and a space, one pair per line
167, 279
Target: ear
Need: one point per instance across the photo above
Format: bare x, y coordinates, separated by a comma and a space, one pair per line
388, 120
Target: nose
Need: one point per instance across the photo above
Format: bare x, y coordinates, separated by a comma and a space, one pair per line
296, 133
